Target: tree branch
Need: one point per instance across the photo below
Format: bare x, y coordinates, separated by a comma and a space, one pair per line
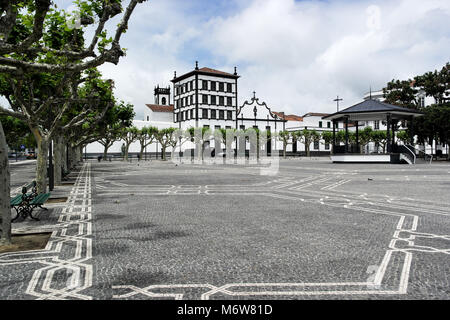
7, 112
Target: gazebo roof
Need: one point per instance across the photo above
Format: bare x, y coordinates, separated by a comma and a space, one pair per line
373, 110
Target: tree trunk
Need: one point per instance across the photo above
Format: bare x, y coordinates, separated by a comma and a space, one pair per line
64, 155
141, 153
5, 208
41, 165
284, 150
72, 157
80, 153
125, 156
164, 153
59, 159
105, 151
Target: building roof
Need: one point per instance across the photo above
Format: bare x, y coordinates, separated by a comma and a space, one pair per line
209, 70
373, 107
315, 114
160, 108
206, 71
288, 117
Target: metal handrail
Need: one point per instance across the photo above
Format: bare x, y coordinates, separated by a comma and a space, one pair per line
414, 155
418, 150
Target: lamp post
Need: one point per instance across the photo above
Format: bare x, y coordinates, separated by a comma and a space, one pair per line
51, 182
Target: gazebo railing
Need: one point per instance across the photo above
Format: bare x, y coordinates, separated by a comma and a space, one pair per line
405, 151
413, 149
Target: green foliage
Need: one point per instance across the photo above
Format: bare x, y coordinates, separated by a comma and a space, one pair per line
327, 136
403, 136
434, 125
17, 133
365, 136
401, 93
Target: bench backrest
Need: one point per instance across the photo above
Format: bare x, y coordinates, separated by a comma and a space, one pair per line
32, 186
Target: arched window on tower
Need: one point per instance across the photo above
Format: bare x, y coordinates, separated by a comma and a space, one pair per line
163, 101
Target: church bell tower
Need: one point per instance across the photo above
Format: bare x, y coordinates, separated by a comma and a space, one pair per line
162, 96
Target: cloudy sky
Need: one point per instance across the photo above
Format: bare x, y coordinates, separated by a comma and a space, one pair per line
296, 55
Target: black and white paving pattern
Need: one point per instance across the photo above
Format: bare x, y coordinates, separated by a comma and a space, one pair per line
316, 230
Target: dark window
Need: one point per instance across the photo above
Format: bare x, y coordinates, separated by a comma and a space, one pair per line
242, 127
205, 113
182, 116
229, 115
221, 101
228, 87
216, 127
204, 84
228, 127
221, 86
182, 102
328, 124
163, 100
213, 100
229, 101
376, 125
205, 126
205, 99
213, 114
192, 100
320, 124
422, 102
327, 146
221, 114
213, 86
192, 85
316, 144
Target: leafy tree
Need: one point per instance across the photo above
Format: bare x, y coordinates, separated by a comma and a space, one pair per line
36, 42
42, 59
401, 93
340, 137
403, 136
17, 133
435, 84
364, 137
119, 117
165, 138
379, 137
284, 136
327, 137
146, 136
308, 137
129, 135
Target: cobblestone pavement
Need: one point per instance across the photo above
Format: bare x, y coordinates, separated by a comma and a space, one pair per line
316, 230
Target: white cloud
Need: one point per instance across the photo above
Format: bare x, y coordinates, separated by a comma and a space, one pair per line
297, 56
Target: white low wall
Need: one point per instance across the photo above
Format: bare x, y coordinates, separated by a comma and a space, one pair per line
361, 158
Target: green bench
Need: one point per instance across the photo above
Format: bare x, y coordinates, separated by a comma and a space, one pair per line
25, 203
